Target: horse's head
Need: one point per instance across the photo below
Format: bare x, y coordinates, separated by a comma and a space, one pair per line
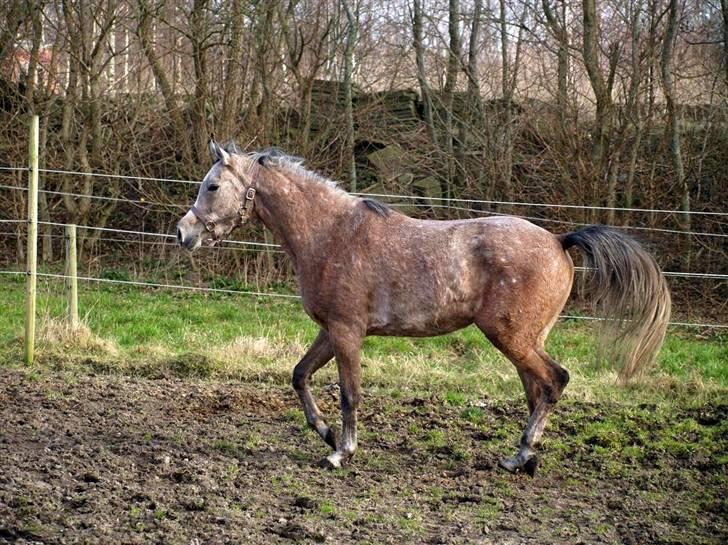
225, 201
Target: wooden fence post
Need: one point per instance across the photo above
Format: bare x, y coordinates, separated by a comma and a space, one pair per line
32, 253
72, 273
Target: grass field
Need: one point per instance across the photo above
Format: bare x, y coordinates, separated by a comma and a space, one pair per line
168, 417
148, 332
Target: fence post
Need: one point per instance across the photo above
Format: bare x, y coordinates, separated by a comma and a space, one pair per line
32, 252
72, 273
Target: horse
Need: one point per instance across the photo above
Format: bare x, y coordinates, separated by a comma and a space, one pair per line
363, 269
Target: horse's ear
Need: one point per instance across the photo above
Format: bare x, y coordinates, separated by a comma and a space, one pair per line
218, 153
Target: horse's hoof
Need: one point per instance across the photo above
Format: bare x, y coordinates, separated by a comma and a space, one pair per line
329, 463
509, 464
332, 439
531, 465
514, 465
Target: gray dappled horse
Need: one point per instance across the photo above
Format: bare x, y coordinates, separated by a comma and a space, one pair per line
364, 269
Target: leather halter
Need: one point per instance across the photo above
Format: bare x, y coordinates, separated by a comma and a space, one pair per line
242, 215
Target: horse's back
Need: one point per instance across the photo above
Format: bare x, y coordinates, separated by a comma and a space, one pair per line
426, 277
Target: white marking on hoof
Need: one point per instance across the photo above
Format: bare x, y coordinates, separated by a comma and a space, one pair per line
333, 461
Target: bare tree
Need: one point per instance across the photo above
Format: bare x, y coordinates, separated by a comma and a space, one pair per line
351, 38
602, 88
471, 129
305, 41
82, 139
448, 92
673, 122
422, 71
200, 34
724, 11
634, 101
561, 101
507, 90
234, 85
556, 22
146, 14
14, 17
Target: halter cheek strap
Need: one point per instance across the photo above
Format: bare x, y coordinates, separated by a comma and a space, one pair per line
242, 216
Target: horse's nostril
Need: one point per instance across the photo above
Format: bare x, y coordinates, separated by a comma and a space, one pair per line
179, 235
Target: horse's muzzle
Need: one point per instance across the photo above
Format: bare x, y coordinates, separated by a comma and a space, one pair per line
189, 232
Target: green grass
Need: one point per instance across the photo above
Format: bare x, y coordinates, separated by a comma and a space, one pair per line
155, 332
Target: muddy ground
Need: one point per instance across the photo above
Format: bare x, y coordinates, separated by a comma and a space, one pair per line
109, 459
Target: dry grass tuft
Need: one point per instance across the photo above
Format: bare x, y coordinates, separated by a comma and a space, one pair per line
56, 335
258, 357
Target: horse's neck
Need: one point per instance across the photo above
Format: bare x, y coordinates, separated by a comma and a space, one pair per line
300, 213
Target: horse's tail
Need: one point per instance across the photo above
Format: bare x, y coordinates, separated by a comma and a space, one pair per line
629, 291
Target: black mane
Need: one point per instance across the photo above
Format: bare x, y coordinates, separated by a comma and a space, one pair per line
377, 207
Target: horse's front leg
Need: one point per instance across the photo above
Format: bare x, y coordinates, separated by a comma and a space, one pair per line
315, 358
347, 349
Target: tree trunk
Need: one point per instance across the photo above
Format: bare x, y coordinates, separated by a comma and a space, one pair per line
14, 16
673, 126
351, 38
558, 29
453, 67
199, 32
260, 92
602, 88
146, 39
724, 9
37, 36
471, 130
590, 53
234, 85
507, 157
422, 72
631, 114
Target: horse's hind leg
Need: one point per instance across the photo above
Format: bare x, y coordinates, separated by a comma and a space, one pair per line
543, 380
318, 355
530, 386
543, 377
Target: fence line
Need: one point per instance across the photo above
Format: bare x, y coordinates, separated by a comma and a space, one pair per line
396, 205
679, 274
96, 197
119, 176
283, 295
675, 273
152, 243
157, 285
396, 196
162, 235
445, 206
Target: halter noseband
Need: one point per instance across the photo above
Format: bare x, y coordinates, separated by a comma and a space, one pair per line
240, 218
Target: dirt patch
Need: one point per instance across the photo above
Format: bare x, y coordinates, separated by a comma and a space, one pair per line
111, 459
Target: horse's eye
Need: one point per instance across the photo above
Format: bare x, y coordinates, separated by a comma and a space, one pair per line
213, 187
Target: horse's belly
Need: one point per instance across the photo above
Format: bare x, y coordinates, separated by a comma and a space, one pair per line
408, 330
421, 322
